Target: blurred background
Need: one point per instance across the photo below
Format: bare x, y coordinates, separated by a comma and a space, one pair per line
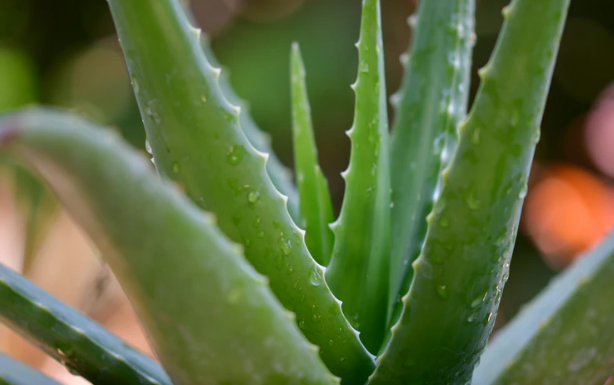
65, 53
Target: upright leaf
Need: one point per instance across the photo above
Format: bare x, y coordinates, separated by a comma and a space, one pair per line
565, 335
316, 206
13, 372
73, 339
197, 140
212, 319
358, 272
429, 106
451, 305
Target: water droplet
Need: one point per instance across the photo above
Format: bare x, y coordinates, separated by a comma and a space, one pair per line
523, 191
135, 85
290, 270
261, 234
472, 317
475, 137
176, 168
301, 324
342, 359
246, 242
204, 99
478, 300
330, 343
442, 290
253, 196
285, 245
257, 222
279, 261
236, 154
148, 147
364, 67
315, 277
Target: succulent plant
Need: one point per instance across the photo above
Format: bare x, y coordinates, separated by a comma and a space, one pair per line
240, 278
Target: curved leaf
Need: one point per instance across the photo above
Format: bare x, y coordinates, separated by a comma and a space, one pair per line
316, 205
211, 317
73, 339
197, 140
565, 335
450, 309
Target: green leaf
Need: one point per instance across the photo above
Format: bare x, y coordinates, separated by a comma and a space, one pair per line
565, 335
429, 106
197, 140
279, 174
73, 339
316, 205
358, 272
13, 372
450, 308
210, 315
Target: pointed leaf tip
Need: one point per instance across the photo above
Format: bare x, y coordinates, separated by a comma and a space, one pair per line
315, 201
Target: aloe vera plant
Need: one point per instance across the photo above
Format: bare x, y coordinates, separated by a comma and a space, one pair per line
235, 284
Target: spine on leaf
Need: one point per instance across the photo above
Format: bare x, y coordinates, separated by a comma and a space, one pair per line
358, 273
71, 338
279, 174
564, 336
211, 317
429, 106
315, 202
450, 308
196, 139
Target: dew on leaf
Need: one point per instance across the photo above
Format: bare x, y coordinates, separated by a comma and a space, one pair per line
442, 290
253, 196
236, 154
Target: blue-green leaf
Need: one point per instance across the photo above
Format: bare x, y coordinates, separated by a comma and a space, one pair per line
429, 106
565, 335
73, 339
450, 309
211, 317
13, 372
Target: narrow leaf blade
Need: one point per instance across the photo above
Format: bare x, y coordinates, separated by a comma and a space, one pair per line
450, 309
316, 205
358, 273
70, 337
211, 317
197, 140
13, 372
429, 106
565, 335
